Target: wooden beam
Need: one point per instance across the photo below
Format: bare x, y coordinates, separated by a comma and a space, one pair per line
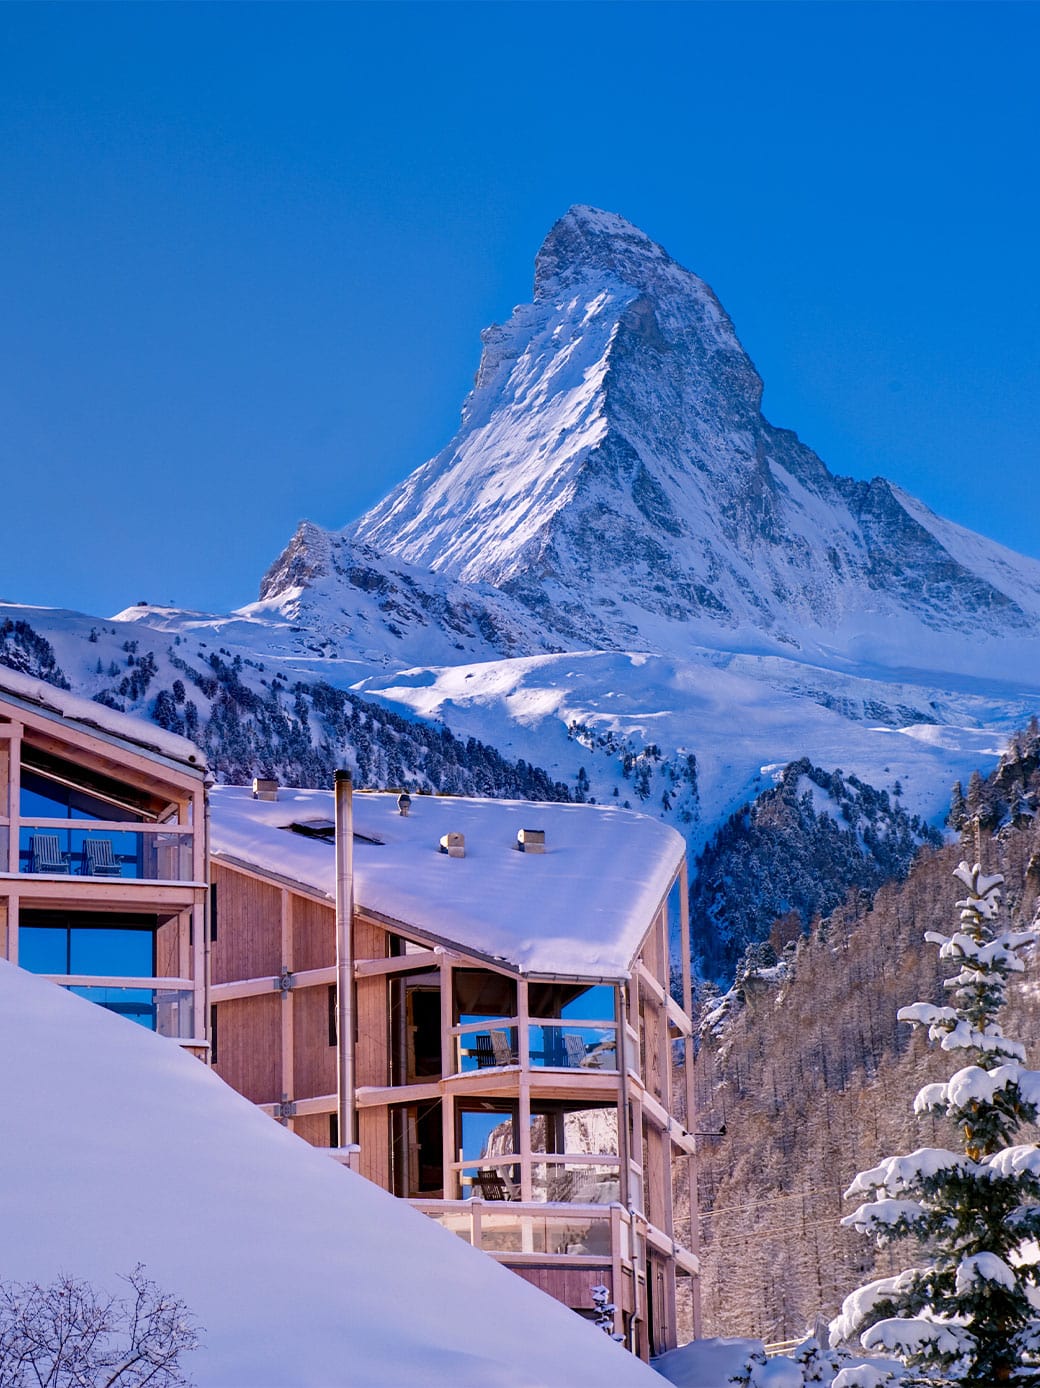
398, 963
371, 1096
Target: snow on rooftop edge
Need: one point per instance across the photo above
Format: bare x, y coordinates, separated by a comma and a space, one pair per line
301, 1272
581, 909
95, 716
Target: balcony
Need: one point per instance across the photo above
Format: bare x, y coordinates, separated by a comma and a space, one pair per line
551, 1044
594, 1234
106, 850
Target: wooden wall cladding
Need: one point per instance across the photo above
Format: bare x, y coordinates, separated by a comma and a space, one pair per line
313, 1128
372, 1057
572, 1286
249, 929
314, 934
249, 1046
371, 941
374, 1137
168, 952
314, 1060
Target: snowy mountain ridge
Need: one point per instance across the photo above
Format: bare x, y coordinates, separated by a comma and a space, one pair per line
614, 474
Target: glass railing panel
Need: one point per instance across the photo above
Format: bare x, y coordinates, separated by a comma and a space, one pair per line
580, 1184
163, 856
573, 1047
506, 1233
460, 1224
582, 1237
167, 1011
488, 1047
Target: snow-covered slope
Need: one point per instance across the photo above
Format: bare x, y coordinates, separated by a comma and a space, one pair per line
123, 1149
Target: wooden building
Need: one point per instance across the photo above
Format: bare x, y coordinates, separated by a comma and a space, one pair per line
103, 884
513, 1030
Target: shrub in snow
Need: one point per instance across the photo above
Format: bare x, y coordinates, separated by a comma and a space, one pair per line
604, 1309
67, 1336
965, 1316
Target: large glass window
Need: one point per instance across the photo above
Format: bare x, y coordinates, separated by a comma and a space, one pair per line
98, 945
573, 1026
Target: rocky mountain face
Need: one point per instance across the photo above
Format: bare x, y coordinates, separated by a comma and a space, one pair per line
614, 475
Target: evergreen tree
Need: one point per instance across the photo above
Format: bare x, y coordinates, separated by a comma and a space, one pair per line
964, 1317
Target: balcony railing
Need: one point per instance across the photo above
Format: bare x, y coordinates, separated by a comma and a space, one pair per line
552, 1044
165, 1006
573, 1045
106, 849
589, 1178
598, 1233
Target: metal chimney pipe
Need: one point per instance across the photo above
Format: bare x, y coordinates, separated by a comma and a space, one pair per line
345, 955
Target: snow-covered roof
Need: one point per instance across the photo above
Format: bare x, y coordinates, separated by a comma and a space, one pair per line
580, 909
301, 1273
95, 717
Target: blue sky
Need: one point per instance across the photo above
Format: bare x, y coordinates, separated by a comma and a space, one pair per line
246, 251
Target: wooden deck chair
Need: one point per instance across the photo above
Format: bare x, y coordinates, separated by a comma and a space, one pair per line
99, 860
47, 855
484, 1051
501, 1049
574, 1051
491, 1185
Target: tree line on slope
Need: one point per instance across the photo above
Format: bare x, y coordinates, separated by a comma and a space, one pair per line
812, 1078
297, 734
791, 855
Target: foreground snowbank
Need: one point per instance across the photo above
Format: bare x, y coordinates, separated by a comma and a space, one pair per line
120, 1148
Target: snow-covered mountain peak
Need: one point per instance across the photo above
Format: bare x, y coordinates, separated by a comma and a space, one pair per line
613, 474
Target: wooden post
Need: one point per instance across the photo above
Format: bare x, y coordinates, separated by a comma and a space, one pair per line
451, 1178
14, 807
523, 1032
685, 944
345, 955
286, 1019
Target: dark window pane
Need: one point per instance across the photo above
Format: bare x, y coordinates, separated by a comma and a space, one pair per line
113, 953
43, 949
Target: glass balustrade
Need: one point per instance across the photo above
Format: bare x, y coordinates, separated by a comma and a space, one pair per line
485, 1045
101, 851
572, 1046
167, 1011
579, 1233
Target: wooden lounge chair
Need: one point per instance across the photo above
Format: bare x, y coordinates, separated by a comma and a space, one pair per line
491, 1185
47, 855
99, 860
574, 1051
492, 1050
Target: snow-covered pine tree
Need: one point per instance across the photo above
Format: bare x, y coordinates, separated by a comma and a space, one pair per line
965, 1316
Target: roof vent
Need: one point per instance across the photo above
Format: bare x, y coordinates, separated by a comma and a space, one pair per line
265, 790
454, 845
531, 840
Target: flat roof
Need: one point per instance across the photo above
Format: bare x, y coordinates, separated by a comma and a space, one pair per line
578, 910
94, 718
